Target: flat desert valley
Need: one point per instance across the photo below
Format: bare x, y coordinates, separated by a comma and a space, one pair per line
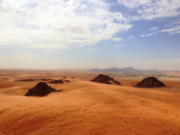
87, 108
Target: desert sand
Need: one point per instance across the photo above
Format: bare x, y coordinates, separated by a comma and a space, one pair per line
88, 108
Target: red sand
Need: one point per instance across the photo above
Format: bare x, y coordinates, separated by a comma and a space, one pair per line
88, 108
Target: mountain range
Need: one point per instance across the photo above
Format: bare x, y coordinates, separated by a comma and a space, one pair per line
128, 70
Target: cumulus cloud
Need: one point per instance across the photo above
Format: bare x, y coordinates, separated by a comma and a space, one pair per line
151, 9
58, 23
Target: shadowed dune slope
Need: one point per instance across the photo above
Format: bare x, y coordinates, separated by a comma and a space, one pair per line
88, 108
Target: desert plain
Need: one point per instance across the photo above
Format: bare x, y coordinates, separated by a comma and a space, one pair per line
87, 108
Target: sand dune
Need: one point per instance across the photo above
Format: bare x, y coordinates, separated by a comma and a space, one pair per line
88, 108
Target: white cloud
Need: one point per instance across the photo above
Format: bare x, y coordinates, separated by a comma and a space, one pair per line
173, 30
153, 28
151, 9
116, 39
133, 3
148, 35
58, 23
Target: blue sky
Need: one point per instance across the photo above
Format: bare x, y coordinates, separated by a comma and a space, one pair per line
53, 34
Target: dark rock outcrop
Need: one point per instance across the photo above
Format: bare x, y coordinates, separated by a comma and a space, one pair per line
43, 79
67, 81
40, 89
56, 81
105, 79
60, 81
150, 82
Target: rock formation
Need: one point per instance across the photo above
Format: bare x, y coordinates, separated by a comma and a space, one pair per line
105, 79
150, 82
56, 81
40, 89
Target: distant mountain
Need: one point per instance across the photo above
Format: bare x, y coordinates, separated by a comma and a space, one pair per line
130, 70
